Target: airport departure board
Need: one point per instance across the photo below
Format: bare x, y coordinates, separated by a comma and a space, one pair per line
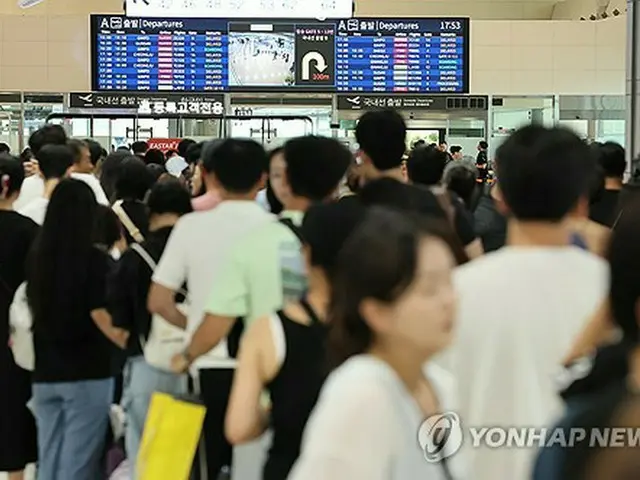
368, 55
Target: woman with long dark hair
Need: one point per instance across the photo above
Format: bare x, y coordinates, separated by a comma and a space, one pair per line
391, 312
73, 384
18, 445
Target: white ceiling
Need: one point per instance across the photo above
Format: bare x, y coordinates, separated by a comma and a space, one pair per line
477, 9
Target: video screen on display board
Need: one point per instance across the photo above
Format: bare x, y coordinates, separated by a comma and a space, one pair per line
261, 59
373, 55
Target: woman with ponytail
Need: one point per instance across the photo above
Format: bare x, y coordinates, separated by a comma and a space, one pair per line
18, 443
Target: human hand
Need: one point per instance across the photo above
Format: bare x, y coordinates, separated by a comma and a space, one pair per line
180, 363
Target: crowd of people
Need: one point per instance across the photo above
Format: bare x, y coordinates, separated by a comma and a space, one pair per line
322, 305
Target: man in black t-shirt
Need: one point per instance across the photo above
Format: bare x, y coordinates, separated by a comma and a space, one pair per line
381, 136
482, 161
611, 157
425, 167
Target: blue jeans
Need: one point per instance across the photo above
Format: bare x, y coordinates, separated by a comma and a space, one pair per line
141, 381
72, 420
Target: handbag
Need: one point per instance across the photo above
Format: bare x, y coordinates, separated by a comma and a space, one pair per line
165, 340
127, 222
170, 438
21, 326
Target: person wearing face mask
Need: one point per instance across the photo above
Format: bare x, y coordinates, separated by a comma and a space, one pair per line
18, 442
392, 310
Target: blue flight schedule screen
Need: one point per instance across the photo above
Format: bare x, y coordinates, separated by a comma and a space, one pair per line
372, 55
402, 56
159, 55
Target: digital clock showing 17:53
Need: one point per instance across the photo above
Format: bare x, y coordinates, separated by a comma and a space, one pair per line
451, 25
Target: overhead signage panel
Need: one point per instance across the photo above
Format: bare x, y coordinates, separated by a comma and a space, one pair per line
429, 55
413, 102
372, 102
321, 9
151, 103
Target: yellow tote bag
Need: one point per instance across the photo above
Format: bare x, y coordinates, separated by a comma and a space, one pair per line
170, 439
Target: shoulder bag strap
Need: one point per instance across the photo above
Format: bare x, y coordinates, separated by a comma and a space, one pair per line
136, 247
144, 255
306, 306
152, 265
615, 223
127, 222
287, 222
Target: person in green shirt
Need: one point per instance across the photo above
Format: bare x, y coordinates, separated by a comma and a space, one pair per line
265, 268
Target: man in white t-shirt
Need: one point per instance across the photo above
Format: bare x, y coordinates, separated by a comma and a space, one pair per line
55, 162
520, 308
82, 169
197, 247
33, 186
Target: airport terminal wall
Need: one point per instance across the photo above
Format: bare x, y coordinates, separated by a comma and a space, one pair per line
51, 53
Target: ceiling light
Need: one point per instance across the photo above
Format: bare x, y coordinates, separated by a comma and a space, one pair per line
28, 3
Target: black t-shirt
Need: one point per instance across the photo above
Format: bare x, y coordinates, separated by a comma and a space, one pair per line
68, 344
605, 211
463, 220
138, 213
482, 161
490, 224
392, 193
129, 287
16, 236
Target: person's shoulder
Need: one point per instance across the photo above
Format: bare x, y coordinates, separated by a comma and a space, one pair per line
361, 388
99, 259
32, 182
350, 198
481, 268
90, 180
360, 374
440, 376
24, 223
584, 259
99, 255
17, 224
31, 205
194, 220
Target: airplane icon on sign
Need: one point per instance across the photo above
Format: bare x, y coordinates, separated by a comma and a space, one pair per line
86, 98
354, 101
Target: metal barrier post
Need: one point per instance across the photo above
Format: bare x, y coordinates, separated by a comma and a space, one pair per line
633, 84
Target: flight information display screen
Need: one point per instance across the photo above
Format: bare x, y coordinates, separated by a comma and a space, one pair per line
351, 55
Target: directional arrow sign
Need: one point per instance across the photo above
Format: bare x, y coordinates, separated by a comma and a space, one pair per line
321, 64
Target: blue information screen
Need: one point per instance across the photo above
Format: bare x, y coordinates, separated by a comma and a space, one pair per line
352, 55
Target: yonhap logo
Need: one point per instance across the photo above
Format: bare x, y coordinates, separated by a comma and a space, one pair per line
440, 436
